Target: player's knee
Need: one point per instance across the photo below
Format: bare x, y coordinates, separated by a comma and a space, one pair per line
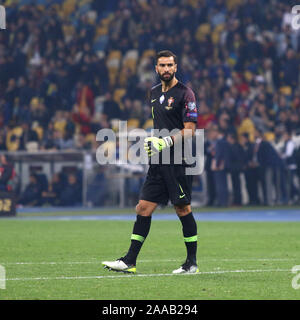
182, 210
143, 210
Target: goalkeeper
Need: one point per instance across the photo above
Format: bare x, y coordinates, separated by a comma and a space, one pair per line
173, 107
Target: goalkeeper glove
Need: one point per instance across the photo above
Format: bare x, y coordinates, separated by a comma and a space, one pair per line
153, 145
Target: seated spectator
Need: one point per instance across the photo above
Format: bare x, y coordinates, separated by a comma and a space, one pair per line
31, 196
127, 108
13, 137
97, 190
137, 110
52, 195
205, 116
29, 139
71, 194
85, 97
260, 117
82, 117
80, 142
40, 114
69, 128
294, 123
48, 138
26, 92
7, 173
41, 178
2, 141
111, 108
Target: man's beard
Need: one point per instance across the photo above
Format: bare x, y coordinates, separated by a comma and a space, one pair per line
166, 77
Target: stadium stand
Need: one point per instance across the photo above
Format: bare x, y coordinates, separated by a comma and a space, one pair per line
62, 61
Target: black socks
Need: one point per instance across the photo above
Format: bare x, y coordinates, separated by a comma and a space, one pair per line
141, 229
189, 229
139, 234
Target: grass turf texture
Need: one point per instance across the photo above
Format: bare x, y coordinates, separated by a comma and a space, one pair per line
62, 260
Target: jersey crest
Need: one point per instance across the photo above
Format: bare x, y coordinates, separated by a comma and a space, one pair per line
170, 102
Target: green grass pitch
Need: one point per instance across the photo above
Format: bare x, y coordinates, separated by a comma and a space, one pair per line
62, 260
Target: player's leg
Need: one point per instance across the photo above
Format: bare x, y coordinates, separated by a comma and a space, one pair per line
144, 210
189, 230
180, 190
153, 192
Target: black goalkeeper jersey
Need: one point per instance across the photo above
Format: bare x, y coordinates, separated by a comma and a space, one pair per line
172, 108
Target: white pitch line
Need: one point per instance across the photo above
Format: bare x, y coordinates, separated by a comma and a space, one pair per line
50, 263
145, 275
147, 261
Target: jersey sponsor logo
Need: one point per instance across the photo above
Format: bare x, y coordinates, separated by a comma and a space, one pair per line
162, 99
170, 102
193, 115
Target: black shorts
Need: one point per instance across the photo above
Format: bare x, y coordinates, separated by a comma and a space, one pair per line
167, 182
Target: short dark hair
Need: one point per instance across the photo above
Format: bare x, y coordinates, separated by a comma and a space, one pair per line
166, 53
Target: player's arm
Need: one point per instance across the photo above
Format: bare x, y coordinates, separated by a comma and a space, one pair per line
161, 143
189, 117
187, 132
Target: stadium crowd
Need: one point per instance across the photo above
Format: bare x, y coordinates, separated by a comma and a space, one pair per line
69, 68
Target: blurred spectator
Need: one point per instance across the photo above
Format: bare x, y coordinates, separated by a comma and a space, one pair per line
127, 108
85, 98
97, 189
209, 150
48, 137
290, 69
205, 116
31, 196
52, 195
2, 141
82, 117
220, 165
271, 171
111, 109
260, 117
236, 166
7, 173
26, 92
71, 194
251, 170
288, 155
29, 138
39, 114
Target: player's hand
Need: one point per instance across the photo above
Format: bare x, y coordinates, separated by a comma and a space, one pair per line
153, 145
